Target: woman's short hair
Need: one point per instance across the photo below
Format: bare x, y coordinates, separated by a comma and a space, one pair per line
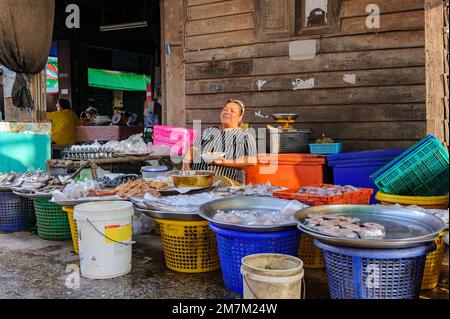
65, 104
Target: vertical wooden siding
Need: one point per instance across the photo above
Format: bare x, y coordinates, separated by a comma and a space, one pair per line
384, 109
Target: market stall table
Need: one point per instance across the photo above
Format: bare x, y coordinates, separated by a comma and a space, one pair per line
94, 163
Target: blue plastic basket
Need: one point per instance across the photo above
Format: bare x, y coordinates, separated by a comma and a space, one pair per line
422, 170
374, 273
16, 213
355, 168
235, 245
326, 149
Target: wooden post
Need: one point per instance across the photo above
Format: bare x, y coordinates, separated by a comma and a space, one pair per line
64, 70
39, 94
173, 62
434, 55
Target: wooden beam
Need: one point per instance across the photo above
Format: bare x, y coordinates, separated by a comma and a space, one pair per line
173, 62
434, 57
64, 70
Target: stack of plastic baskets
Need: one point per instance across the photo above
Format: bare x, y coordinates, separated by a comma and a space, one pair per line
16, 213
434, 259
189, 246
422, 170
52, 221
235, 245
73, 227
375, 273
429, 202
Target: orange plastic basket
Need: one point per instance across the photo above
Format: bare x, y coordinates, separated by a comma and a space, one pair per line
361, 197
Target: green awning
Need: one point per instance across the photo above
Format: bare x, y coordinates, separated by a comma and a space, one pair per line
118, 81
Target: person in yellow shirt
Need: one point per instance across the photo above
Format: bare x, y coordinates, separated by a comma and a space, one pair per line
64, 123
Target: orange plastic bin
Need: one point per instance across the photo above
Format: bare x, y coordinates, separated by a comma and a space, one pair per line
288, 170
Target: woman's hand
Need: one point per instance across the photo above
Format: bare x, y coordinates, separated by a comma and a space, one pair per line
242, 162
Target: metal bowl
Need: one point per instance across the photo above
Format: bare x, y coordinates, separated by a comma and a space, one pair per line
404, 227
285, 117
209, 210
197, 179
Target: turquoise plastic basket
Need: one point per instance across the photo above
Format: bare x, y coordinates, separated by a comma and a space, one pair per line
422, 170
326, 149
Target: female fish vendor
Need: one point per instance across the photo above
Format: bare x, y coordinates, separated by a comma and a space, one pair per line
231, 139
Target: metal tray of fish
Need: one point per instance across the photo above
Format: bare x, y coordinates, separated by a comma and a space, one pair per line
33, 195
404, 227
209, 210
71, 203
169, 215
175, 192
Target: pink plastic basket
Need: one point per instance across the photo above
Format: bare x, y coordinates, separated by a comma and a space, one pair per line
171, 136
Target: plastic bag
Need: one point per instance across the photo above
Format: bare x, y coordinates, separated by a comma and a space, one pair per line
291, 208
142, 225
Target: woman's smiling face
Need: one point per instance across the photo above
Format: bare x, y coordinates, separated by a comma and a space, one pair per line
231, 116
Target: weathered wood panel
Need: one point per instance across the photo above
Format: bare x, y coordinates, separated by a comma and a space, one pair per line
322, 63
357, 8
382, 95
325, 113
219, 9
385, 107
221, 24
363, 42
364, 78
224, 40
361, 130
411, 20
192, 3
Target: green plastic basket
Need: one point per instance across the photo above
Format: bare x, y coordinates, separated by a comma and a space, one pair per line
422, 170
52, 221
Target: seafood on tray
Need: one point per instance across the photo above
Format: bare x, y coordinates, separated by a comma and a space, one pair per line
251, 190
345, 227
137, 188
328, 190
261, 217
30, 182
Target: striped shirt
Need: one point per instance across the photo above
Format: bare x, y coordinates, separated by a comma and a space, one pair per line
234, 143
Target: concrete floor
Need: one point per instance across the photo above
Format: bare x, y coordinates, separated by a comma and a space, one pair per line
33, 268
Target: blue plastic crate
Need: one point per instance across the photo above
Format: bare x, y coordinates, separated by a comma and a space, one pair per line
375, 273
235, 245
422, 170
355, 168
326, 149
16, 213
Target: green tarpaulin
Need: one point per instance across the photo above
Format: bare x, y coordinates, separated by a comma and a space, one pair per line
118, 81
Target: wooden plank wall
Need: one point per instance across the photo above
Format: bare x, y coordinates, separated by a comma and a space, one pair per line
435, 62
384, 109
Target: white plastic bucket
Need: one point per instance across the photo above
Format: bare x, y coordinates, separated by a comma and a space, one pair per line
104, 236
272, 276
